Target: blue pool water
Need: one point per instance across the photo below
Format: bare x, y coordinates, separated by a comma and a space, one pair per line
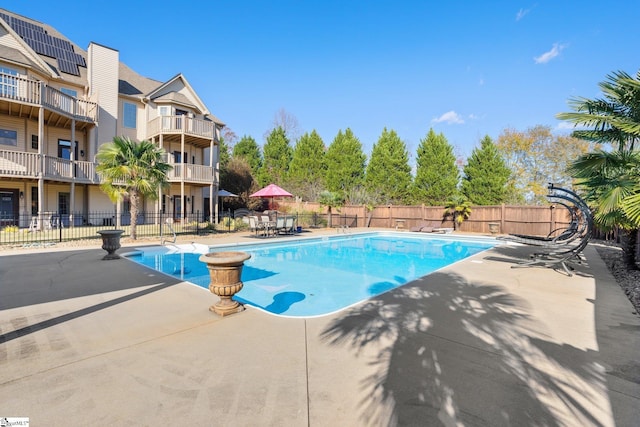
314, 277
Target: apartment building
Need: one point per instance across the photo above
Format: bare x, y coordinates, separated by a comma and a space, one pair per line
59, 103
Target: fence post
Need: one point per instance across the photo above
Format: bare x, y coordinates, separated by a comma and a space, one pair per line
59, 225
503, 213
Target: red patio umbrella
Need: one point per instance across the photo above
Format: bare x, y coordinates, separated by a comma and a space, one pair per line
271, 191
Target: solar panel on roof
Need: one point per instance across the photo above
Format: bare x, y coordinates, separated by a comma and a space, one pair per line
68, 67
44, 44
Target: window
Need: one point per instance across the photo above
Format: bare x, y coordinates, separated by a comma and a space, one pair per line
63, 203
164, 112
180, 158
69, 92
8, 137
34, 142
64, 149
67, 102
8, 82
129, 115
34, 200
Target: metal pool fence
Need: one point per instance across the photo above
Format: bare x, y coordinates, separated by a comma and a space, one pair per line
51, 227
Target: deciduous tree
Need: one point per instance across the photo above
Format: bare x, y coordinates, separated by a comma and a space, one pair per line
537, 157
238, 179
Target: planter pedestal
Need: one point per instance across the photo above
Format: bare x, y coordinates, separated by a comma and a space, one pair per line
494, 227
225, 269
111, 243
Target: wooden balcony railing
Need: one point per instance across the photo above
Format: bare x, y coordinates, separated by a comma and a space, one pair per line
193, 173
28, 165
180, 124
19, 164
33, 92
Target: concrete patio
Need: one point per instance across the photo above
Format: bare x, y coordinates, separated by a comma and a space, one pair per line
91, 342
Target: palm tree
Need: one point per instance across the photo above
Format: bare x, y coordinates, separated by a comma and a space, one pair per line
459, 208
133, 169
612, 181
330, 200
611, 178
614, 119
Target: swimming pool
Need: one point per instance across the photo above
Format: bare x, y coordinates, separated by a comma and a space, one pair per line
318, 276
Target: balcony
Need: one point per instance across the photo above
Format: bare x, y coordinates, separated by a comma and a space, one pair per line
197, 174
17, 164
22, 97
197, 132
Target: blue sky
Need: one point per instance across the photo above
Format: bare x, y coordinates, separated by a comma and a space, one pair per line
464, 68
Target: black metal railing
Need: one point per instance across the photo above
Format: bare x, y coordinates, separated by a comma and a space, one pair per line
51, 227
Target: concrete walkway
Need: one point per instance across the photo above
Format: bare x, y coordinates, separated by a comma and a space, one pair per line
90, 342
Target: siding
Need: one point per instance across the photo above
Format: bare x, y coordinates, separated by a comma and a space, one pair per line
10, 123
102, 73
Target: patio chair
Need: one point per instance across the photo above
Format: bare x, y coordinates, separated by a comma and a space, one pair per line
256, 226
289, 225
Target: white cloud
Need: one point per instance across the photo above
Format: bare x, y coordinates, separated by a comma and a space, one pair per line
473, 117
522, 13
564, 125
548, 56
450, 117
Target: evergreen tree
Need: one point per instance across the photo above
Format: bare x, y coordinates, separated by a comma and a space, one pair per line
307, 168
437, 174
486, 175
277, 157
345, 163
247, 148
388, 172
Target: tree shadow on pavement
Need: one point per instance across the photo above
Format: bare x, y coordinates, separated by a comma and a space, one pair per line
467, 353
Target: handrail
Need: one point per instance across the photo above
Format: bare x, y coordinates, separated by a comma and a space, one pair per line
35, 92
180, 124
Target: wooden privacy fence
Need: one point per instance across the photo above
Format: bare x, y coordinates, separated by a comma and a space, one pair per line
533, 220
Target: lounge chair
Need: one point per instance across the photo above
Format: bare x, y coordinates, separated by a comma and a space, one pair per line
429, 227
562, 253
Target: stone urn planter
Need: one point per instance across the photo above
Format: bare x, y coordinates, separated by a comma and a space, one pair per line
111, 242
225, 269
494, 227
